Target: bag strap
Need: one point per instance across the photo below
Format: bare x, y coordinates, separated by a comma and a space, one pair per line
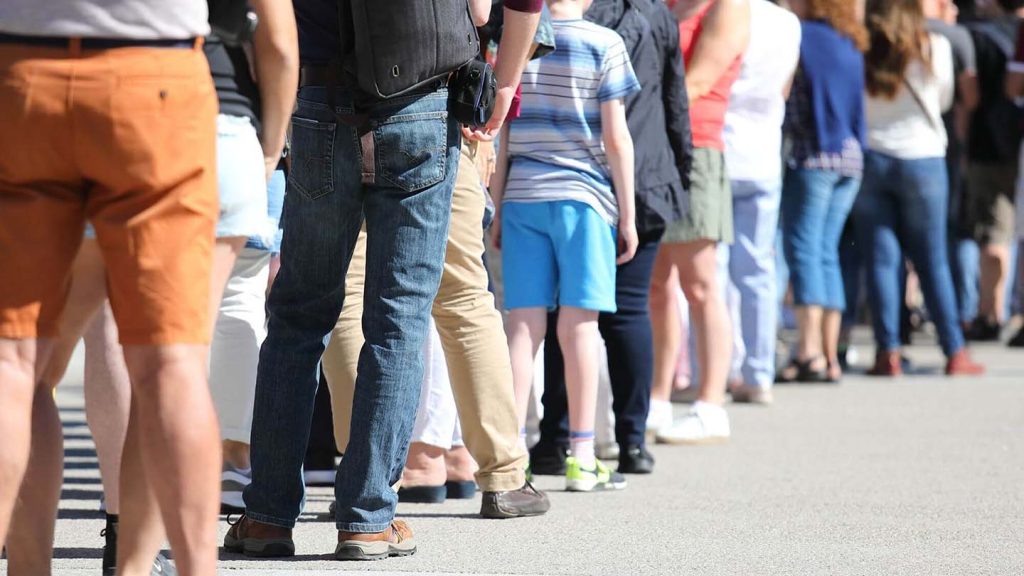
920, 104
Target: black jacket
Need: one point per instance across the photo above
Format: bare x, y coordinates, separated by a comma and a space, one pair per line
658, 115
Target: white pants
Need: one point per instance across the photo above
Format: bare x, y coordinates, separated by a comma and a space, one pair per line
437, 419
237, 337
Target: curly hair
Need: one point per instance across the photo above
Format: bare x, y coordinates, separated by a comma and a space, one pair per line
841, 15
898, 37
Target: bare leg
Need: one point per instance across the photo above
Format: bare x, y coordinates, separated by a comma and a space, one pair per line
424, 466
459, 464
809, 324
17, 391
141, 532
108, 395
995, 266
831, 325
175, 426
88, 291
526, 328
578, 337
665, 324
30, 544
709, 317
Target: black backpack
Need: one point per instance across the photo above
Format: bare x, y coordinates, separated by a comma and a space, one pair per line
401, 45
1003, 118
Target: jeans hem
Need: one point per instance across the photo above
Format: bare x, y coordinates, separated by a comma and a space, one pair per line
272, 520
362, 528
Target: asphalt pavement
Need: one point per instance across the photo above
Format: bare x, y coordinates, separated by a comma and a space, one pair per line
918, 475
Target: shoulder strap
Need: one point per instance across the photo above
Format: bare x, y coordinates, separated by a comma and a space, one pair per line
920, 104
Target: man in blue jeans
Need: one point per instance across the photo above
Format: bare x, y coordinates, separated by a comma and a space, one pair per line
392, 162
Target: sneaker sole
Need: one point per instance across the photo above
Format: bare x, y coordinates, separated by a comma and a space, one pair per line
499, 514
583, 486
260, 548
369, 551
709, 441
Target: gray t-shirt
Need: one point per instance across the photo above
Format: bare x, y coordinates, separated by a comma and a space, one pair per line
131, 19
964, 59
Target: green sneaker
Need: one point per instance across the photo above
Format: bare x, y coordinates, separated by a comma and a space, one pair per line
600, 477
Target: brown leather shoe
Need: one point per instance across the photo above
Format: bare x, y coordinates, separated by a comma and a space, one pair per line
887, 363
254, 538
397, 540
960, 364
526, 501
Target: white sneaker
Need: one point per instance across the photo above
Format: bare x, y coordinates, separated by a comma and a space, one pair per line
232, 484
705, 424
659, 418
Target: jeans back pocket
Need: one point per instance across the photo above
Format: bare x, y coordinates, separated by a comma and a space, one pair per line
312, 171
412, 150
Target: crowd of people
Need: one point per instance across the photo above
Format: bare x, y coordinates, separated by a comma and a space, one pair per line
230, 218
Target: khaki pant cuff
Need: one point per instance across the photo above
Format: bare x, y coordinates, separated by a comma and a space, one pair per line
501, 482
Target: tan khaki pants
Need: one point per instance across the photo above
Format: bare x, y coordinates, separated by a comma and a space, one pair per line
471, 334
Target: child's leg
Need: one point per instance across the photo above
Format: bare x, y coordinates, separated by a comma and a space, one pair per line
577, 336
526, 328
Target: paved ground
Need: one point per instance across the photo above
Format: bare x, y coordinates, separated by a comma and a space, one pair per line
920, 475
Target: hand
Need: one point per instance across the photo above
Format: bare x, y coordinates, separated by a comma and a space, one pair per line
486, 162
502, 103
628, 242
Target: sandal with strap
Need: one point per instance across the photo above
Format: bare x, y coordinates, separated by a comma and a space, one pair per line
803, 371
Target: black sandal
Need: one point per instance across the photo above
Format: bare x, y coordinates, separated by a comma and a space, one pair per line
803, 372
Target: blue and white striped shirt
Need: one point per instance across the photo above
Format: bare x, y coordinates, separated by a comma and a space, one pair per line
555, 146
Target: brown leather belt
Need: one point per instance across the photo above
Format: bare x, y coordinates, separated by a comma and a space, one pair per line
318, 75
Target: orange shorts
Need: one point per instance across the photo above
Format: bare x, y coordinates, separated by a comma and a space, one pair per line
126, 139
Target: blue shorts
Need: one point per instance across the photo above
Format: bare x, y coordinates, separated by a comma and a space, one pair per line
557, 254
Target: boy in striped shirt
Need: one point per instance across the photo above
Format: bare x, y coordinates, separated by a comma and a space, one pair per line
564, 187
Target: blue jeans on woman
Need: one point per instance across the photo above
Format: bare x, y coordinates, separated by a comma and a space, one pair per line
403, 188
902, 206
815, 204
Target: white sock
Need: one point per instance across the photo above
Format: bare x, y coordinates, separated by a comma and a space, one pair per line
582, 448
522, 440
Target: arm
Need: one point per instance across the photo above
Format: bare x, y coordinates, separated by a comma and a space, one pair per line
943, 63
498, 181
513, 52
276, 51
618, 145
677, 105
725, 37
481, 11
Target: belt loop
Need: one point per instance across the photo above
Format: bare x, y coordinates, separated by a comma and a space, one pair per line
75, 46
199, 43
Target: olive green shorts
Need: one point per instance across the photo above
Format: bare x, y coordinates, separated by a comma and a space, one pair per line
707, 209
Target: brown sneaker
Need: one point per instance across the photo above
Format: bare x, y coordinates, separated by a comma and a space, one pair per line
887, 363
960, 364
254, 538
397, 540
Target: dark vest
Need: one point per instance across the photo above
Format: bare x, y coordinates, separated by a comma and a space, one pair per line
397, 46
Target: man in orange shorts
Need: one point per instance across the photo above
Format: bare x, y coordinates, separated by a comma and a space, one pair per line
109, 115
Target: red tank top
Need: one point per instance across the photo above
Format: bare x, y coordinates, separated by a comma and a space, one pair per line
707, 113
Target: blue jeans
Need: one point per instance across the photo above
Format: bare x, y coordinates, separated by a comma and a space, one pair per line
748, 266
815, 204
404, 189
902, 205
